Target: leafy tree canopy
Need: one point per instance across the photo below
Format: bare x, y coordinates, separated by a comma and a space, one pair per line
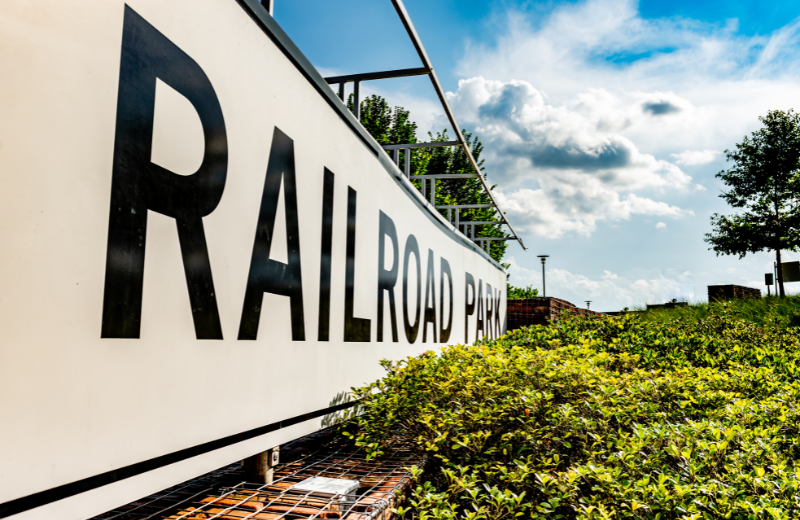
515, 293
764, 183
466, 191
386, 126
394, 126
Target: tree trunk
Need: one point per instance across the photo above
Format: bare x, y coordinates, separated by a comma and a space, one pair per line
778, 250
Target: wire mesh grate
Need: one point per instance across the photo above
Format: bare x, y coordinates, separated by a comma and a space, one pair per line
225, 494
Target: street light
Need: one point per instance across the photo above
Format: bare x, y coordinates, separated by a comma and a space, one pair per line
587, 304
544, 258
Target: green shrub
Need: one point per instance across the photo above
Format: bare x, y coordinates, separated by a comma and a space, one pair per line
516, 293
781, 312
599, 418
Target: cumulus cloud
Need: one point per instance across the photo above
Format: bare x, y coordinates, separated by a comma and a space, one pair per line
606, 43
564, 168
584, 105
611, 291
695, 157
660, 108
662, 289
661, 225
727, 79
554, 211
575, 142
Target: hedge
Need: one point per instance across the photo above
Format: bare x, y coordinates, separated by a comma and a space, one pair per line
598, 418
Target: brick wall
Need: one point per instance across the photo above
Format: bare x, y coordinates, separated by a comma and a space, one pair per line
729, 292
540, 311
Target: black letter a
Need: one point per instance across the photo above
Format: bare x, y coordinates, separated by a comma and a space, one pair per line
269, 275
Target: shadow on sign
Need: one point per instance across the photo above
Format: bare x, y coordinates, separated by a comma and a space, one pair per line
340, 416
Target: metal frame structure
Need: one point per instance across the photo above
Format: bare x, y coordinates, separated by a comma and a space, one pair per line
428, 182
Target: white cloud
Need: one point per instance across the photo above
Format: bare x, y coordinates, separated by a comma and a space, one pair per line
579, 141
663, 289
557, 210
661, 225
612, 291
588, 111
695, 157
606, 44
564, 168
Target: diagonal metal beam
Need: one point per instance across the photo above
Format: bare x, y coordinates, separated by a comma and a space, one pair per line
426, 62
469, 206
435, 144
448, 176
367, 76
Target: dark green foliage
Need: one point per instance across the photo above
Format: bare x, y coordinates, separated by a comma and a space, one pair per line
466, 191
521, 292
764, 182
600, 418
386, 126
389, 126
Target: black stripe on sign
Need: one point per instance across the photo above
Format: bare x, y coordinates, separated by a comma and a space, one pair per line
48, 496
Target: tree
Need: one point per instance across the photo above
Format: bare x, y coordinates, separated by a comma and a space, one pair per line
765, 182
385, 125
466, 191
521, 293
389, 126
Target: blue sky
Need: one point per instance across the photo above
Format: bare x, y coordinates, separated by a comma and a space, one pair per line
604, 121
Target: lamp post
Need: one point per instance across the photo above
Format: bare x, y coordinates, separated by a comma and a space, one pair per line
587, 304
544, 258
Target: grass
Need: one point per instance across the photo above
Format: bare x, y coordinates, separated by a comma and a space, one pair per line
767, 311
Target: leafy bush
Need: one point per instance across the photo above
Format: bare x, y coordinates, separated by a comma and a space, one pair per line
516, 293
782, 312
599, 418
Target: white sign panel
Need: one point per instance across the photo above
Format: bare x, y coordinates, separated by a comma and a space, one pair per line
202, 250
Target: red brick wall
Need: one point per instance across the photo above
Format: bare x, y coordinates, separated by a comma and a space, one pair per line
540, 311
729, 292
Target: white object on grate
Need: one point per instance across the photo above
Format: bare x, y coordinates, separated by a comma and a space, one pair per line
323, 487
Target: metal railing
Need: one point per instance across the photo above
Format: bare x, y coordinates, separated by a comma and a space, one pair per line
428, 182
426, 63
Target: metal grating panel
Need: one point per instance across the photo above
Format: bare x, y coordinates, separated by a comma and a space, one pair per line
223, 494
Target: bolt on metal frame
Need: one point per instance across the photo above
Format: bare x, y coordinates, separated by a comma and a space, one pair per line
428, 182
